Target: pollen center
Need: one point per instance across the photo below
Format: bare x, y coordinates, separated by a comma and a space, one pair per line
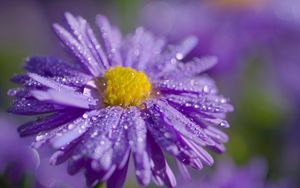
125, 87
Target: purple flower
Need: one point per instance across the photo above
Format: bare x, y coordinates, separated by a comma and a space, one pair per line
15, 155
227, 174
18, 162
265, 29
131, 96
222, 31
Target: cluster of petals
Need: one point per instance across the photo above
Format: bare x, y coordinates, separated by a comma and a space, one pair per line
181, 118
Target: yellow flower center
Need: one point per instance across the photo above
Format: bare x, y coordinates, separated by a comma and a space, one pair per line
125, 87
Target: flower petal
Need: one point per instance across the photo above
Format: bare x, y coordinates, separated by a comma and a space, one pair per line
112, 40
170, 141
49, 122
136, 133
169, 59
31, 106
163, 113
79, 50
138, 55
49, 82
100, 141
85, 35
189, 85
183, 170
65, 98
185, 47
159, 167
50, 66
118, 178
189, 69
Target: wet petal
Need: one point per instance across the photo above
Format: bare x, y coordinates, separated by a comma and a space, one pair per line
183, 170
171, 142
170, 58
49, 122
49, 82
78, 49
65, 98
159, 167
111, 38
50, 66
163, 113
136, 134
138, 55
194, 85
31, 106
118, 178
189, 69
100, 141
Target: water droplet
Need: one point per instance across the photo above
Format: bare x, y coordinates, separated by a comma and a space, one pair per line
85, 116
224, 124
179, 56
71, 126
167, 135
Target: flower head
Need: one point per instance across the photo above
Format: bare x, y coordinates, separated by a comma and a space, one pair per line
131, 96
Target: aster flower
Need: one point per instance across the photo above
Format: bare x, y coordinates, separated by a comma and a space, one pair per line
131, 96
234, 30
227, 174
21, 166
15, 156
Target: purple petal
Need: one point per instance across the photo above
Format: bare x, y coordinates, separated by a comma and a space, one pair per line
159, 167
75, 164
169, 59
185, 47
19, 92
50, 66
150, 53
92, 177
31, 106
73, 131
49, 122
200, 152
72, 81
192, 68
183, 170
163, 113
66, 133
100, 140
118, 178
195, 85
199, 104
170, 140
136, 133
111, 38
63, 154
216, 134
78, 49
216, 122
96, 48
65, 98
27, 81
84, 34
48, 82
138, 55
